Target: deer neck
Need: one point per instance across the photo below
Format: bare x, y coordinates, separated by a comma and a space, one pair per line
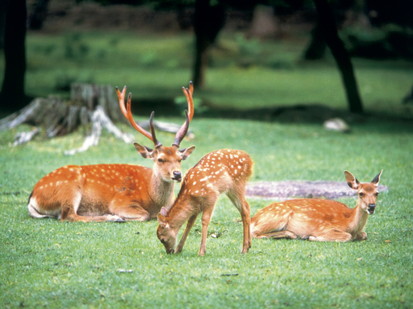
161, 191
179, 213
358, 220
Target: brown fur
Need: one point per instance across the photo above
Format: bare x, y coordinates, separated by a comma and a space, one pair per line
317, 219
222, 171
107, 192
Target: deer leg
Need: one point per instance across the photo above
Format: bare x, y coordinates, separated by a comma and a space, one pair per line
242, 205
189, 225
133, 213
206, 218
64, 209
106, 218
271, 225
331, 235
277, 235
123, 208
69, 212
246, 222
361, 236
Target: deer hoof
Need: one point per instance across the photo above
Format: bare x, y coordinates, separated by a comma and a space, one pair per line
115, 219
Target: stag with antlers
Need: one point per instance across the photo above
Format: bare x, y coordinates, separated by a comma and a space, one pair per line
116, 192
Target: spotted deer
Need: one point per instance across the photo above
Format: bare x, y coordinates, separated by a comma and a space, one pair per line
317, 219
222, 171
115, 192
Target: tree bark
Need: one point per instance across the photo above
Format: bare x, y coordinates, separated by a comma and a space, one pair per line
317, 47
329, 28
12, 93
38, 14
208, 21
91, 106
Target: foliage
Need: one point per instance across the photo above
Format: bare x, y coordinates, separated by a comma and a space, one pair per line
390, 41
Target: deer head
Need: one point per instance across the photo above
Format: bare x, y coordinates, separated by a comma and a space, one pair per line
165, 234
167, 159
367, 192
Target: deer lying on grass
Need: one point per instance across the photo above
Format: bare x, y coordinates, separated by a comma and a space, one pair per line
115, 192
222, 171
317, 219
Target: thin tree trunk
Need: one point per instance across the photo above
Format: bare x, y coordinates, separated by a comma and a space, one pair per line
38, 14
317, 47
12, 92
208, 21
329, 27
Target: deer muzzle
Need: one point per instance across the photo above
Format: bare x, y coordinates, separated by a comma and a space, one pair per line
371, 208
177, 176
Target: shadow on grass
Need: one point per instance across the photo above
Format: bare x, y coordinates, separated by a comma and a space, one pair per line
307, 113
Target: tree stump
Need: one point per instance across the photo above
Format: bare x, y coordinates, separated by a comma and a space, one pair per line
92, 106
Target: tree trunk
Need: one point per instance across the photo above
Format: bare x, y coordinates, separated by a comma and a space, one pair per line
91, 106
317, 47
328, 25
208, 21
12, 93
38, 14
3, 9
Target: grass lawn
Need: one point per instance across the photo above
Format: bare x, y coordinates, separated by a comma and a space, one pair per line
47, 263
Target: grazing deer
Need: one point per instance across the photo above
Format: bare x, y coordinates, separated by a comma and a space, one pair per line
222, 171
115, 192
317, 219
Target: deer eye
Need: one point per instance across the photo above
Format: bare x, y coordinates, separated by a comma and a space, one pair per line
361, 194
376, 194
161, 160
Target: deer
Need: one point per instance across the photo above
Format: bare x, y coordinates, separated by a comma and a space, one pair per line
116, 192
318, 219
221, 171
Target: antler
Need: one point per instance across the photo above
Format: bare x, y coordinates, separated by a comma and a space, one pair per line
189, 114
127, 113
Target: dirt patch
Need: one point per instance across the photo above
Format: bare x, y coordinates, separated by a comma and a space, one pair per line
306, 189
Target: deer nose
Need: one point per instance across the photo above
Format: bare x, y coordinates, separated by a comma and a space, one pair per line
371, 208
177, 175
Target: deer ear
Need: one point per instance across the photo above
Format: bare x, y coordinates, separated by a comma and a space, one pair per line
351, 180
162, 221
185, 153
144, 151
376, 179
164, 211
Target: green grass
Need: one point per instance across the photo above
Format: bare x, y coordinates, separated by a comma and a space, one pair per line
47, 263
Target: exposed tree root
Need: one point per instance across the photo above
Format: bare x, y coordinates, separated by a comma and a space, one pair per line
91, 106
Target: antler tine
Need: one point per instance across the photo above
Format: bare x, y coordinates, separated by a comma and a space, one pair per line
127, 113
155, 141
189, 114
188, 94
121, 100
182, 131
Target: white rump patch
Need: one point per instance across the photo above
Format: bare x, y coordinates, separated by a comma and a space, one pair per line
35, 212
